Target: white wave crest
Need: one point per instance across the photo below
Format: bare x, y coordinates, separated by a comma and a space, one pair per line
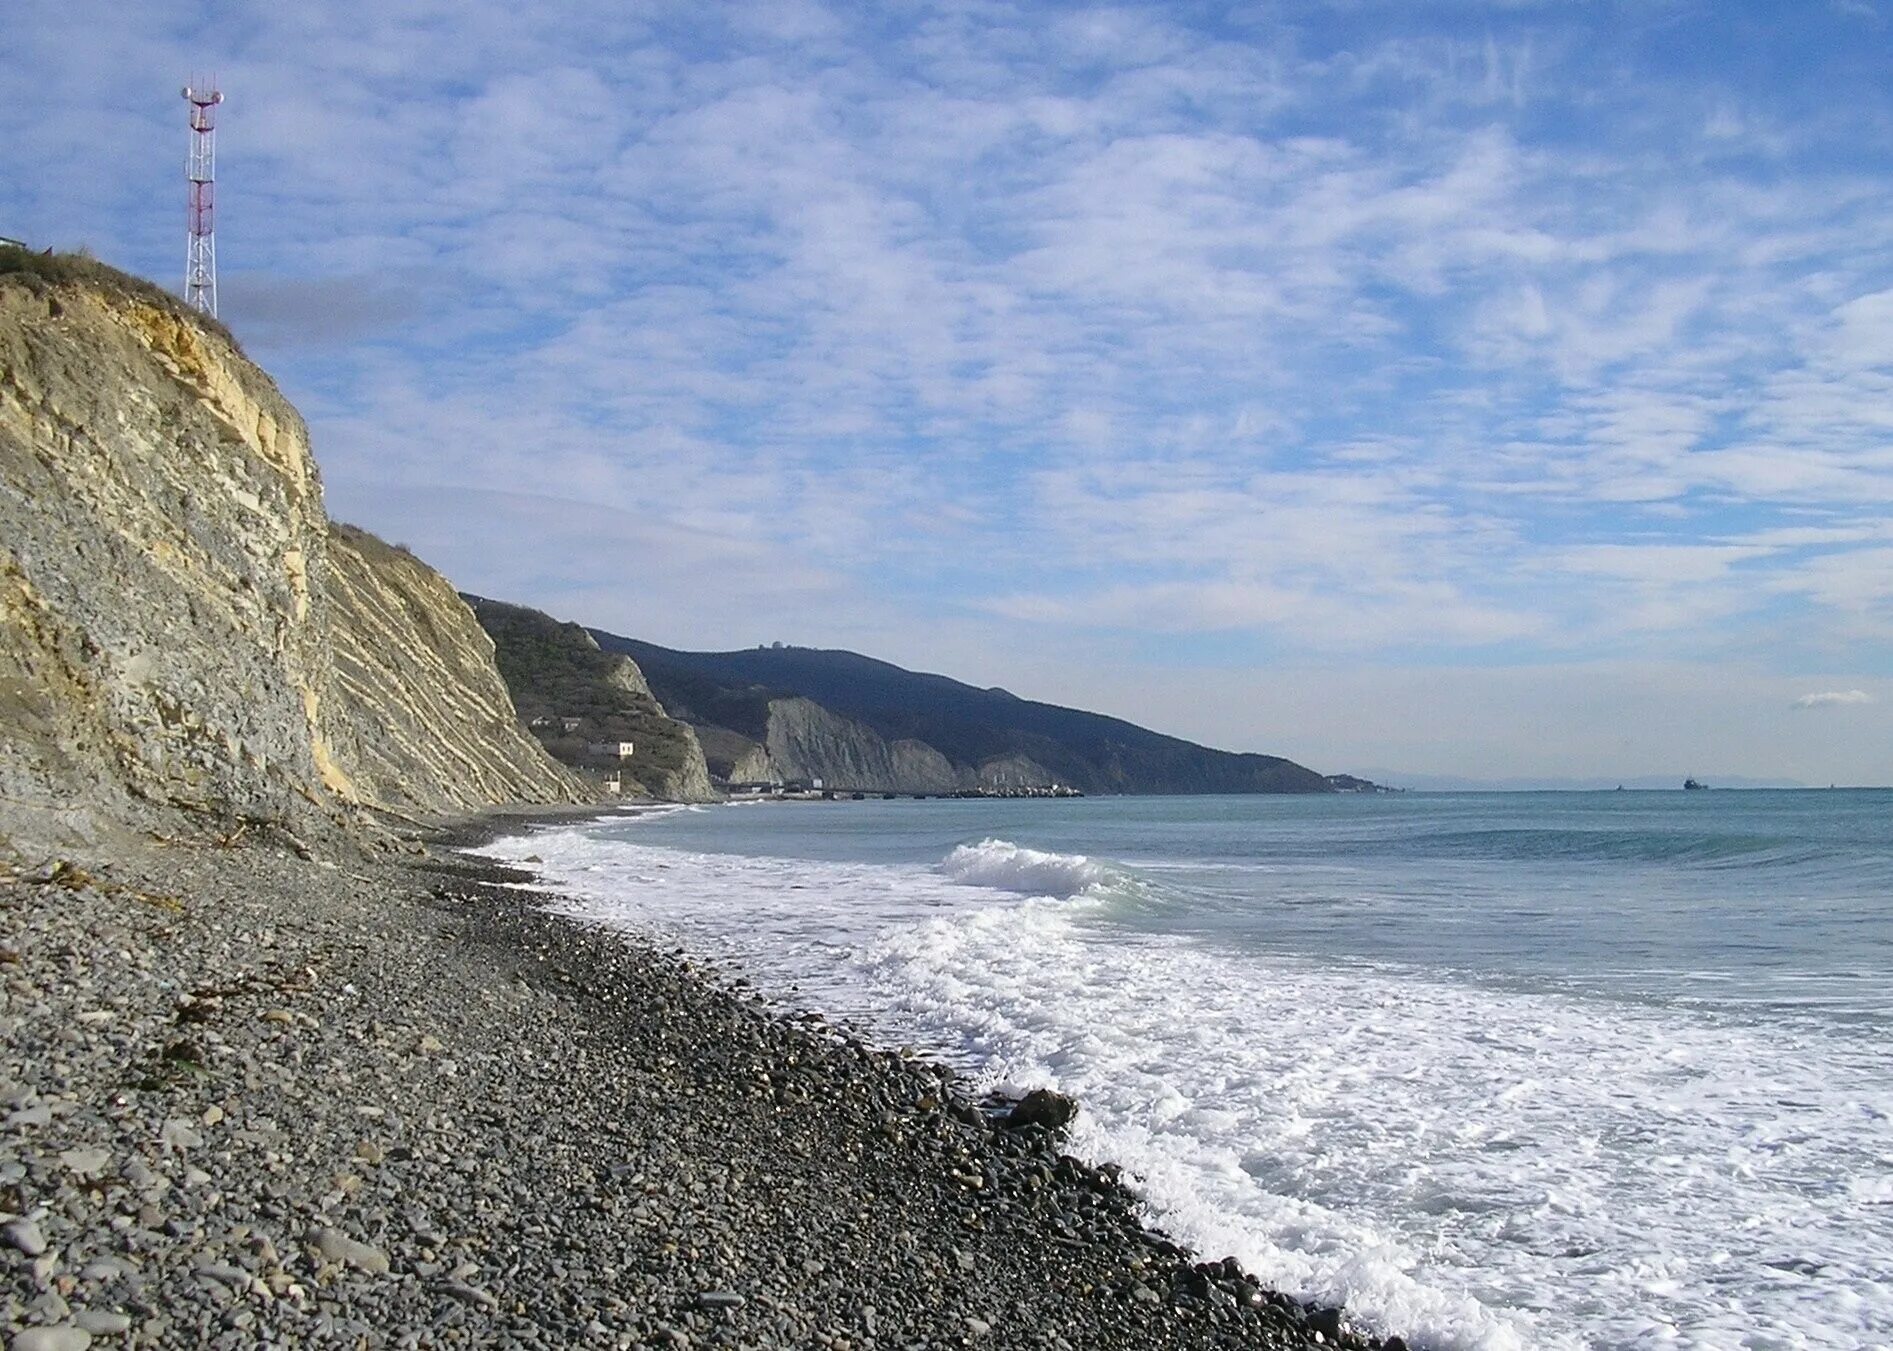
1474, 1166
1005, 866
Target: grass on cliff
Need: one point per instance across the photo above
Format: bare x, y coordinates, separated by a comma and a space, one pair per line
80, 268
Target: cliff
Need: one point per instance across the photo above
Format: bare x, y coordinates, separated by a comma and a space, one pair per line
557, 676
859, 723
417, 711
178, 641
733, 758
808, 742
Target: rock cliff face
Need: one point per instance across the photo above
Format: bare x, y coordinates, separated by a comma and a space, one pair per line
733, 758
417, 715
557, 674
1013, 771
169, 612
806, 741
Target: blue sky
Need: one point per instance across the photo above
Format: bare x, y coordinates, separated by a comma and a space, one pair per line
1499, 389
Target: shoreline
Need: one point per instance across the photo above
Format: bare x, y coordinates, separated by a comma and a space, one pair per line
264, 1101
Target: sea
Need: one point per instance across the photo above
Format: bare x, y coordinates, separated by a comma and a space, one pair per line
1493, 1071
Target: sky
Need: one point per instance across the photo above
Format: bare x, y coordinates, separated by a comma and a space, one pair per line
1497, 390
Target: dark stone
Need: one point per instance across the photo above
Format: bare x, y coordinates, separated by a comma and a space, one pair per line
967, 1112
1325, 1321
1043, 1108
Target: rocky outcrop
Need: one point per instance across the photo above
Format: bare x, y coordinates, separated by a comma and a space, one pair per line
806, 741
733, 758
1013, 771
557, 675
919, 768
417, 718
167, 626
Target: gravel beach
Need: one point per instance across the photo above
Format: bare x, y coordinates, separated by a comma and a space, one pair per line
249, 1099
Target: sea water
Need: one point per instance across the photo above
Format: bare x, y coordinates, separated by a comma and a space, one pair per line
1492, 1070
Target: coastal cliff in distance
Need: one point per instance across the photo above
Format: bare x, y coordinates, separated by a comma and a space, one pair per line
783, 714
586, 706
183, 638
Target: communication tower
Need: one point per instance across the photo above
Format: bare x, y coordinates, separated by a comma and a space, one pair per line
200, 257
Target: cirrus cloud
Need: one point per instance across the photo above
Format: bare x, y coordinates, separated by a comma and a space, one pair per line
1444, 336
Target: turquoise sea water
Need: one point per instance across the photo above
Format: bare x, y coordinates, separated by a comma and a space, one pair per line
1496, 1069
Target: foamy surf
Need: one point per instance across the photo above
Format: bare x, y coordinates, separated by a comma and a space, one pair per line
1005, 866
1471, 1167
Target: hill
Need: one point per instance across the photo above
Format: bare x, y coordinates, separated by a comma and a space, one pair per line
858, 722
584, 704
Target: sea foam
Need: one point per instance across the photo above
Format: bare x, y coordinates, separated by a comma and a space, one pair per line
1472, 1167
1005, 866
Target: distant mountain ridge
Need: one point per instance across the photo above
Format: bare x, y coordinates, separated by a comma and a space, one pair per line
861, 723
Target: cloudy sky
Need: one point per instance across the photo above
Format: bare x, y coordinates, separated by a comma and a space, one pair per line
1496, 389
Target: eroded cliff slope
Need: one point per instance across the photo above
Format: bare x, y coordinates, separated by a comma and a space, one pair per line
807, 742
588, 705
176, 640
417, 711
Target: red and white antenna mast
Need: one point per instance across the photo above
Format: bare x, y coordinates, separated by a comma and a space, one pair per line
200, 258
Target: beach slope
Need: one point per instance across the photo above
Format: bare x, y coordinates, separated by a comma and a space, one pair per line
255, 1100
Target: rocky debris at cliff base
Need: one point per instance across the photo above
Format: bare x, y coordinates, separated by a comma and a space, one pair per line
484, 1125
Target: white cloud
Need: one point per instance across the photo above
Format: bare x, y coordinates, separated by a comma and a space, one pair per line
1658, 564
1833, 699
1281, 338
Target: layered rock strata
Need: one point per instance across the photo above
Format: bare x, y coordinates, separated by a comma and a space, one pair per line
170, 615
417, 710
807, 742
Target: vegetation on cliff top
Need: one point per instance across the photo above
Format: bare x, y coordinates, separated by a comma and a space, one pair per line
80, 268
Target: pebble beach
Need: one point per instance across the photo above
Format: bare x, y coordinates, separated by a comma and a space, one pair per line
252, 1099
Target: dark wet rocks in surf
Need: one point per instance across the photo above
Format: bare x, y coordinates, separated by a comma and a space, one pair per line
1041, 1109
